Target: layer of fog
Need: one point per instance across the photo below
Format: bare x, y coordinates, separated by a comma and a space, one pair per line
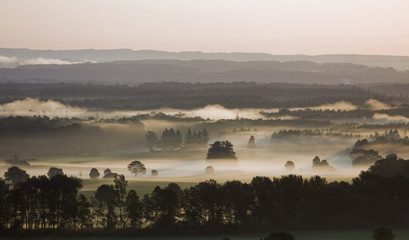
267, 159
10, 62
50, 108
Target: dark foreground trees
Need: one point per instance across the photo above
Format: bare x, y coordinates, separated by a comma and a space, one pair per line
41, 203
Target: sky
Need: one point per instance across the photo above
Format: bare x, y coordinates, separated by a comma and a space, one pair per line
273, 26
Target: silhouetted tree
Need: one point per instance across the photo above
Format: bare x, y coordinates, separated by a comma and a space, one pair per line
120, 187
152, 140
252, 142
53, 171
289, 165
390, 165
136, 167
108, 196
108, 174
239, 199
188, 137
16, 175
94, 174
154, 173
133, 209
221, 150
84, 212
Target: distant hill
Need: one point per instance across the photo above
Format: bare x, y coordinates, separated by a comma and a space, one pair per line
143, 71
11, 57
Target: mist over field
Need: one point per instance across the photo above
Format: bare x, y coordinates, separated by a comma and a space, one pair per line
178, 119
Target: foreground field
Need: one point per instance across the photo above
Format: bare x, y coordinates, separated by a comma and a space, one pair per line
361, 234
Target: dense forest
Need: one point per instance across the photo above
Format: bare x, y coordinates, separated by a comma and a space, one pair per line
191, 95
377, 196
142, 71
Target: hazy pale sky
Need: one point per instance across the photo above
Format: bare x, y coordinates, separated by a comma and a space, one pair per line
273, 26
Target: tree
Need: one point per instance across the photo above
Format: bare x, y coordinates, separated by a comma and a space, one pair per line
154, 173
53, 171
209, 170
94, 174
133, 209
252, 142
221, 150
120, 187
205, 136
108, 196
188, 137
108, 174
239, 200
390, 166
152, 140
319, 165
84, 212
16, 175
136, 167
365, 158
289, 165
383, 233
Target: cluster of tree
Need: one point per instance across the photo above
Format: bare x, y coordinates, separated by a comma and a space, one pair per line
311, 133
172, 140
221, 150
321, 165
54, 203
242, 129
201, 137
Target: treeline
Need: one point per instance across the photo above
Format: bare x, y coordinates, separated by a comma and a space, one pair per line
172, 140
39, 203
312, 133
190, 95
67, 136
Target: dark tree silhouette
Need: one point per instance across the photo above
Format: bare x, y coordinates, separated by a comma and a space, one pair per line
133, 209
319, 165
94, 173
152, 140
289, 165
240, 199
120, 187
221, 150
365, 158
252, 142
188, 137
16, 175
108, 174
390, 165
108, 196
53, 171
154, 173
136, 167
383, 233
